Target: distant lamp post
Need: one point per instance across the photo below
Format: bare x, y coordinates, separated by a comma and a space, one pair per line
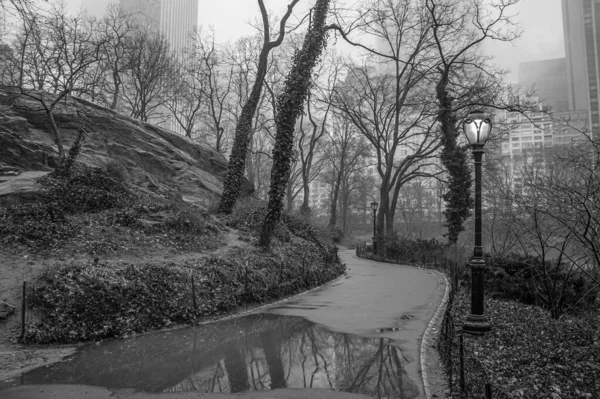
477, 128
374, 206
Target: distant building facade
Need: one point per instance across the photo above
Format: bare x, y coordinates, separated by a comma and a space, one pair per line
176, 19
581, 21
549, 78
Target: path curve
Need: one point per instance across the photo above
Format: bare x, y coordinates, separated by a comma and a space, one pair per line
374, 300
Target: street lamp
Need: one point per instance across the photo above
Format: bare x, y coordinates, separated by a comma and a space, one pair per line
477, 128
374, 206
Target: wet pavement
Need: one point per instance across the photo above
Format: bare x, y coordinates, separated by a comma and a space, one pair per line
360, 335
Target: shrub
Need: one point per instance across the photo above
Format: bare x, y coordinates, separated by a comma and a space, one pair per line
519, 278
87, 189
408, 249
250, 217
34, 224
97, 301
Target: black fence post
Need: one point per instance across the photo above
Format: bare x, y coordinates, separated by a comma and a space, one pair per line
450, 363
194, 296
462, 363
303, 276
23, 310
280, 272
488, 390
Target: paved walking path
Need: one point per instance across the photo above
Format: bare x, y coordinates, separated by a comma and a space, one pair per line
368, 322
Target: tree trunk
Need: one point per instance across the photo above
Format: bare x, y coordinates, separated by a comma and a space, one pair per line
237, 371
249, 160
458, 197
289, 197
305, 208
57, 136
117, 83
271, 345
290, 105
237, 159
336, 191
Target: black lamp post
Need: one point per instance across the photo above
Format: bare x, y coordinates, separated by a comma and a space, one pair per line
477, 128
374, 206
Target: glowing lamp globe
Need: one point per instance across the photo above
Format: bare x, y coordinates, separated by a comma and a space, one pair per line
477, 127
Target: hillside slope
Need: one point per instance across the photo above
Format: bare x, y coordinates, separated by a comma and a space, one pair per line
149, 157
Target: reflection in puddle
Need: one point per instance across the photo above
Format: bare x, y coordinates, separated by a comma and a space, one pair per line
249, 353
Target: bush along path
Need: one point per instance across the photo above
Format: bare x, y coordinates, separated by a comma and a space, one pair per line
189, 273
96, 301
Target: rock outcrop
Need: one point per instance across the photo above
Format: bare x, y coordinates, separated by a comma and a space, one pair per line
147, 156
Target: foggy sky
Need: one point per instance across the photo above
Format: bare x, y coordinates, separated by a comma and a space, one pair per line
541, 21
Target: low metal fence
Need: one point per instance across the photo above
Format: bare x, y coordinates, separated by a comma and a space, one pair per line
467, 377
283, 280
436, 260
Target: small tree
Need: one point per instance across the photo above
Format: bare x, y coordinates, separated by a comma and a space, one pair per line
148, 76
290, 105
55, 54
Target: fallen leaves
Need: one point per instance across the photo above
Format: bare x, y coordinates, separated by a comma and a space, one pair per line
530, 355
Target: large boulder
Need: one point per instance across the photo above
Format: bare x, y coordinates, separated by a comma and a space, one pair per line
147, 156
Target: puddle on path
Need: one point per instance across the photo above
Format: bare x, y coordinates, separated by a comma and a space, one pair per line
254, 352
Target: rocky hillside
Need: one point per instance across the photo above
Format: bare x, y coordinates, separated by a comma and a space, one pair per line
149, 157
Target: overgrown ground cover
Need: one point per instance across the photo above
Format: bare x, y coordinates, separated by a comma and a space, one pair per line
528, 354
114, 283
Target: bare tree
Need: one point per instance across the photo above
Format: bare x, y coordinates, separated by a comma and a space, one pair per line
466, 80
237, 160
389, 98
399, 129
243, 57
347, 151
217, 76
290, 105
116, 26
56, 52
572, 190
147, 78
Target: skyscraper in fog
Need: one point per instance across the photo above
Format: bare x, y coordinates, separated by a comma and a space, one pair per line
176, 19
549, 77
581, 20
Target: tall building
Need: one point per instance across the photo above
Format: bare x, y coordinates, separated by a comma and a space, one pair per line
549, 78
176, 19
581, 20
575, 50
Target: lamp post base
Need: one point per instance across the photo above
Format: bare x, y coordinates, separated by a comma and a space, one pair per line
374, 245
477, 325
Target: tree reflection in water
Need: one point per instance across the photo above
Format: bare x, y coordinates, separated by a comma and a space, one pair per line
254, 352
296, 353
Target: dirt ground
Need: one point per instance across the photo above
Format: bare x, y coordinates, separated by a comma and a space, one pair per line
17, 267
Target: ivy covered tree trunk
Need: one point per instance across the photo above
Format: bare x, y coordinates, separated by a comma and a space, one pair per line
237, 159
458, 195
290, 105
243, 130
